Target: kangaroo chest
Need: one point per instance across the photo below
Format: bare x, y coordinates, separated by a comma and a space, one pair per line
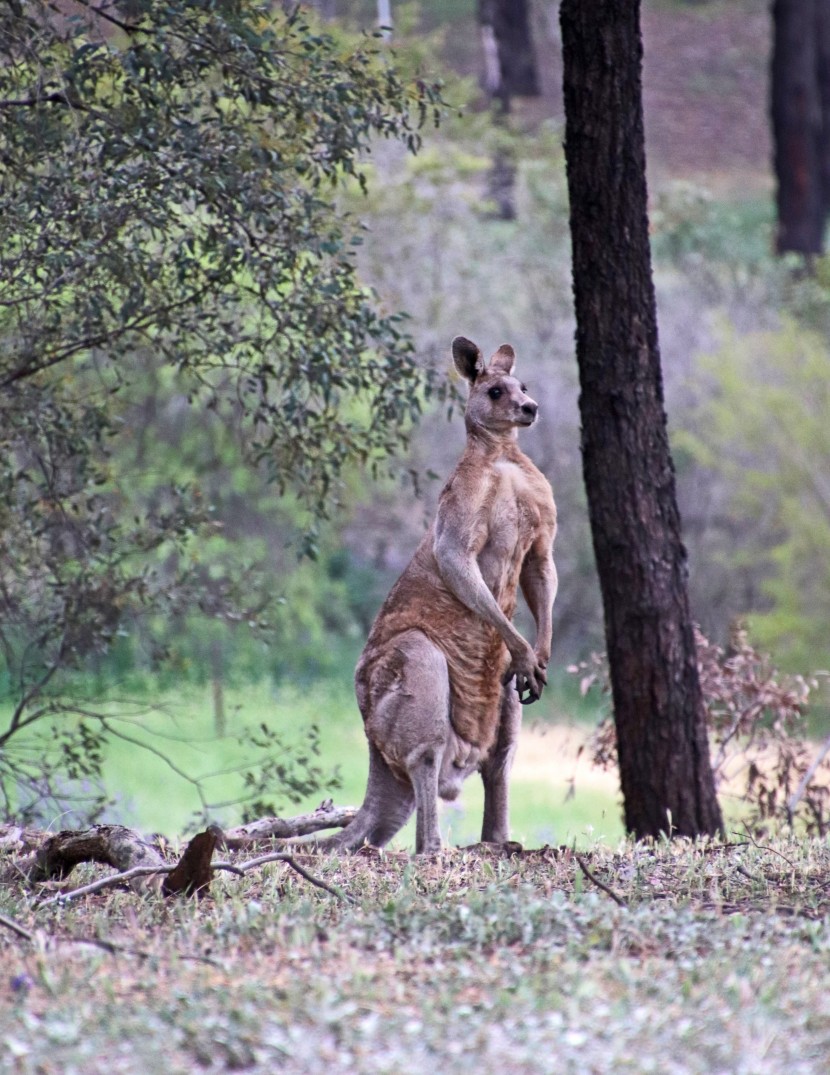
513, 519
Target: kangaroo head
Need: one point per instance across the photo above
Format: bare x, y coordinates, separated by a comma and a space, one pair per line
498, 401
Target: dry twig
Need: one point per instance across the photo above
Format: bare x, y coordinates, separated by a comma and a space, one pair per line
15, 927
600, 884
240, 869
281, 856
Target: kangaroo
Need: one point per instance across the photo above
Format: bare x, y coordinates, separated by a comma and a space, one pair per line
434, 680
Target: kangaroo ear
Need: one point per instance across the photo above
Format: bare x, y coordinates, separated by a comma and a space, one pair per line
504, 359
467, 358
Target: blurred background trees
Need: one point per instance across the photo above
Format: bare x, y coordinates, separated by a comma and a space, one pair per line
189, 358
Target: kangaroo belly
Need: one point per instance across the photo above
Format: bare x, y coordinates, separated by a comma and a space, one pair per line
476, 660
475, 654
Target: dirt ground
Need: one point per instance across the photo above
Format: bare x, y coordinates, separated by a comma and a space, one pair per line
705, 91
705, 88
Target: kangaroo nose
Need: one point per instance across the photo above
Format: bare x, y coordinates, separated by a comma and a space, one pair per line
530, 409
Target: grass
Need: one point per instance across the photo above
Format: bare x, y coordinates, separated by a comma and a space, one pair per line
717, 961
545, 808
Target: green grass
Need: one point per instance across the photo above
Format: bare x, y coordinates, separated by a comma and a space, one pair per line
713, 960
151, 796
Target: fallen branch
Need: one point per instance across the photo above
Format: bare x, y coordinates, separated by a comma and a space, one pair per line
110, 845
114, 880
15, 927
190, 882
763, 847
289, 860
140, 865
747, 873
797, 795
326, 816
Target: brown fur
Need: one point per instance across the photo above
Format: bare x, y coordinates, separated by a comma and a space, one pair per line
486, 497
431, 680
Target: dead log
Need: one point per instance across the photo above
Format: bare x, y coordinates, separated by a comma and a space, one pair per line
193, 873
11, 837
138, 864
326, 816
48, 858
110, 845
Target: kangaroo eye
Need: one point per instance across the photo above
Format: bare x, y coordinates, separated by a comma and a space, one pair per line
523, 388
494, 393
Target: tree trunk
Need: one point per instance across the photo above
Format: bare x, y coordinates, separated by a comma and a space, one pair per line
823, 79
217, 682
796, 111
510, 66
509, 70
665, 769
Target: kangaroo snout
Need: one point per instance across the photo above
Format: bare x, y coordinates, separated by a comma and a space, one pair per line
531, 409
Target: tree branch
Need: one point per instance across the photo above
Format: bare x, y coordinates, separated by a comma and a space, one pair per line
326, 816
796, 796
32, 367
112, 881
101, 13
15, 927
98, 942
135, 860
280, 856
60, 97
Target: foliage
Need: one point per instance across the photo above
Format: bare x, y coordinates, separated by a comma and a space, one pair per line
756, 721
168, 222
292, 774
761, 431
723, 240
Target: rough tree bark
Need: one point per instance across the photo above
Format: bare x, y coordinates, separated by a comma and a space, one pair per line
798, 81
665, 769
57, 855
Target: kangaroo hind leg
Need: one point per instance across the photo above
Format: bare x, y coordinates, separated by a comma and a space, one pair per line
411, 720
495, 770
387, 806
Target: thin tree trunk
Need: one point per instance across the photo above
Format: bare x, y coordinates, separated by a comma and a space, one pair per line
509, 70
665, 769
823, 83
217, 682
796, 113
507, 41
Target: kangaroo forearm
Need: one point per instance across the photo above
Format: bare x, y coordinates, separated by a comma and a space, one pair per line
539, 588
544, 639
464, 581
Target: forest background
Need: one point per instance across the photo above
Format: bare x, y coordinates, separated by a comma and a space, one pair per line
746, 365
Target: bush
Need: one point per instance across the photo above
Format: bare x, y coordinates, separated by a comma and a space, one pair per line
757, 722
